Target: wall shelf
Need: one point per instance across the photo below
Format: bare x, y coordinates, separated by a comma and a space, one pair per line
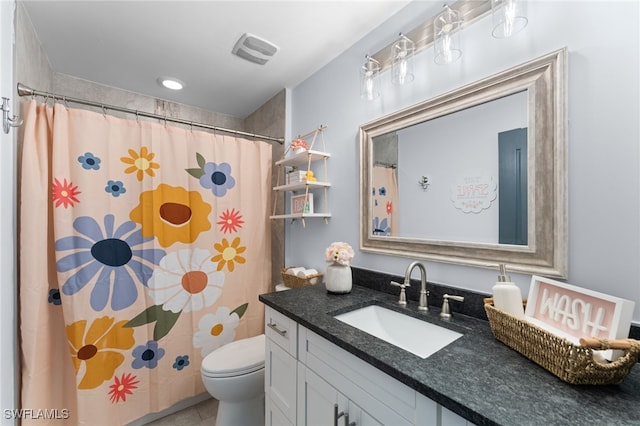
292, 161
301, 185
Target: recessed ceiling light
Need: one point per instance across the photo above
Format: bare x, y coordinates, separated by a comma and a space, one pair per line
171, 83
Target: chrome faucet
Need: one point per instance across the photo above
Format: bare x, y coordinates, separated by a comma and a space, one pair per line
422, 305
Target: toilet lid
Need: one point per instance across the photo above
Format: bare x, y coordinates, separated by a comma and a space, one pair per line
233, 359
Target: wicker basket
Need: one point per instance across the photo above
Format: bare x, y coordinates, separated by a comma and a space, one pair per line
571, 363
294, 281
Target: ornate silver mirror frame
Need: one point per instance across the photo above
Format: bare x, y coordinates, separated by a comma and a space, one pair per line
546, 253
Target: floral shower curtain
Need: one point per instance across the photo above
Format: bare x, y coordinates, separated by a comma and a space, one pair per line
143, 247
385, 201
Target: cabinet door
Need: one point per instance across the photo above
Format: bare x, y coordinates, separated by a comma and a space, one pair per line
449, 418
317, 400
280, 378
274, 416
359, 417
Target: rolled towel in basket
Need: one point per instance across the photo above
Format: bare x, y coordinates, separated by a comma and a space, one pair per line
306, 273
295, 271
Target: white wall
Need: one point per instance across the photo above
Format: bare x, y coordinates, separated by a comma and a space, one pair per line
8, 322
604, 154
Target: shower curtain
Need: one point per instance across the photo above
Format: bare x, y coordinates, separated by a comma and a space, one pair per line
385, 201
143, 247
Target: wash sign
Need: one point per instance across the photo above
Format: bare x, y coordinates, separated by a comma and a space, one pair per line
573, 312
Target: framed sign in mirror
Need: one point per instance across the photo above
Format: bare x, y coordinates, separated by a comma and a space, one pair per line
494, 154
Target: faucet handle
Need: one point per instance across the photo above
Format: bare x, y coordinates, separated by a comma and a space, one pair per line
403, 295
446, 311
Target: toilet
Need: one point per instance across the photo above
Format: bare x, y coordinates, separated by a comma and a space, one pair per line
234, 375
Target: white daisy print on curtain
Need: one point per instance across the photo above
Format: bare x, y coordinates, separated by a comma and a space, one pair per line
186, 280
215, 330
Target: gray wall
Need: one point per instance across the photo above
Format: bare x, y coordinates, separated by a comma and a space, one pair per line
604, 156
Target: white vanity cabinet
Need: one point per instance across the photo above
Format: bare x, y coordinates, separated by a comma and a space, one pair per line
321, 384
281, 335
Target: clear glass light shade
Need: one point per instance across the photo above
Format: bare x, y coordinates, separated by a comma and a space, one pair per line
509, 17
402, 60
369, 81
446, 35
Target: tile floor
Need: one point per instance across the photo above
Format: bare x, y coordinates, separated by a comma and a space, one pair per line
201, 414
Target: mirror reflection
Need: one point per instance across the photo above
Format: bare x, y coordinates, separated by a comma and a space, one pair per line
445, 181
476, 176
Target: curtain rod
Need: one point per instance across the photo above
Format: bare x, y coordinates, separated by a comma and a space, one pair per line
27, 91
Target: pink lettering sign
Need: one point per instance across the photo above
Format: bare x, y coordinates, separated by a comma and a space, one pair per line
568, 310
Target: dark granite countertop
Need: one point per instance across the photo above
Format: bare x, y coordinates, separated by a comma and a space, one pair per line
476, 376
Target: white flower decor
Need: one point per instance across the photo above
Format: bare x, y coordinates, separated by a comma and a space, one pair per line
340, 253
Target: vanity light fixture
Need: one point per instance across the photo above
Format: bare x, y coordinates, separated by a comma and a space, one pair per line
369, 81
446, 35
170, 83
402, 60
509, 17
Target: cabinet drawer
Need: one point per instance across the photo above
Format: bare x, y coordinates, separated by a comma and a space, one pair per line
281, 330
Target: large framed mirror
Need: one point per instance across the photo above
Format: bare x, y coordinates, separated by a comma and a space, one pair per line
476, 176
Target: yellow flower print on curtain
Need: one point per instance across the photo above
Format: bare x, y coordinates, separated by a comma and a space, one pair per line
229, 254
140, 163
96, 351
172, 214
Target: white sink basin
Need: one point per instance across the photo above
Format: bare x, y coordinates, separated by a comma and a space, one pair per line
411, 334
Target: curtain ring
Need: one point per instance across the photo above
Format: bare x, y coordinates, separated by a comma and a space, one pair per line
191, 125
137, 116
165, 120
64, 101
104, 111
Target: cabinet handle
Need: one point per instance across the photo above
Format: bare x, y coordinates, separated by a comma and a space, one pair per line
337, 415
275, 328
346, 420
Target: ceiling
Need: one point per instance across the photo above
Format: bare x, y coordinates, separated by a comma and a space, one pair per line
129, 44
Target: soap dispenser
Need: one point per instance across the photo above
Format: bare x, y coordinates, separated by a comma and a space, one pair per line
506, 295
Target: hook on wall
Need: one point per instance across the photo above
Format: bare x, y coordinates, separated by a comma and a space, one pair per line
8, 121
424, 182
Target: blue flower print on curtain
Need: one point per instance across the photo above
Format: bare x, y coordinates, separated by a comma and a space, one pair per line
89, 161
147, 355
54, 297
115, 188
381, 227
116, 255
216, 177
181, 362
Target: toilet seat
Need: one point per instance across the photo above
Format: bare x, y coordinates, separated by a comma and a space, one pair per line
243, 356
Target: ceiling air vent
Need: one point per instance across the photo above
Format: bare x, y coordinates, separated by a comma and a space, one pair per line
254, 49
